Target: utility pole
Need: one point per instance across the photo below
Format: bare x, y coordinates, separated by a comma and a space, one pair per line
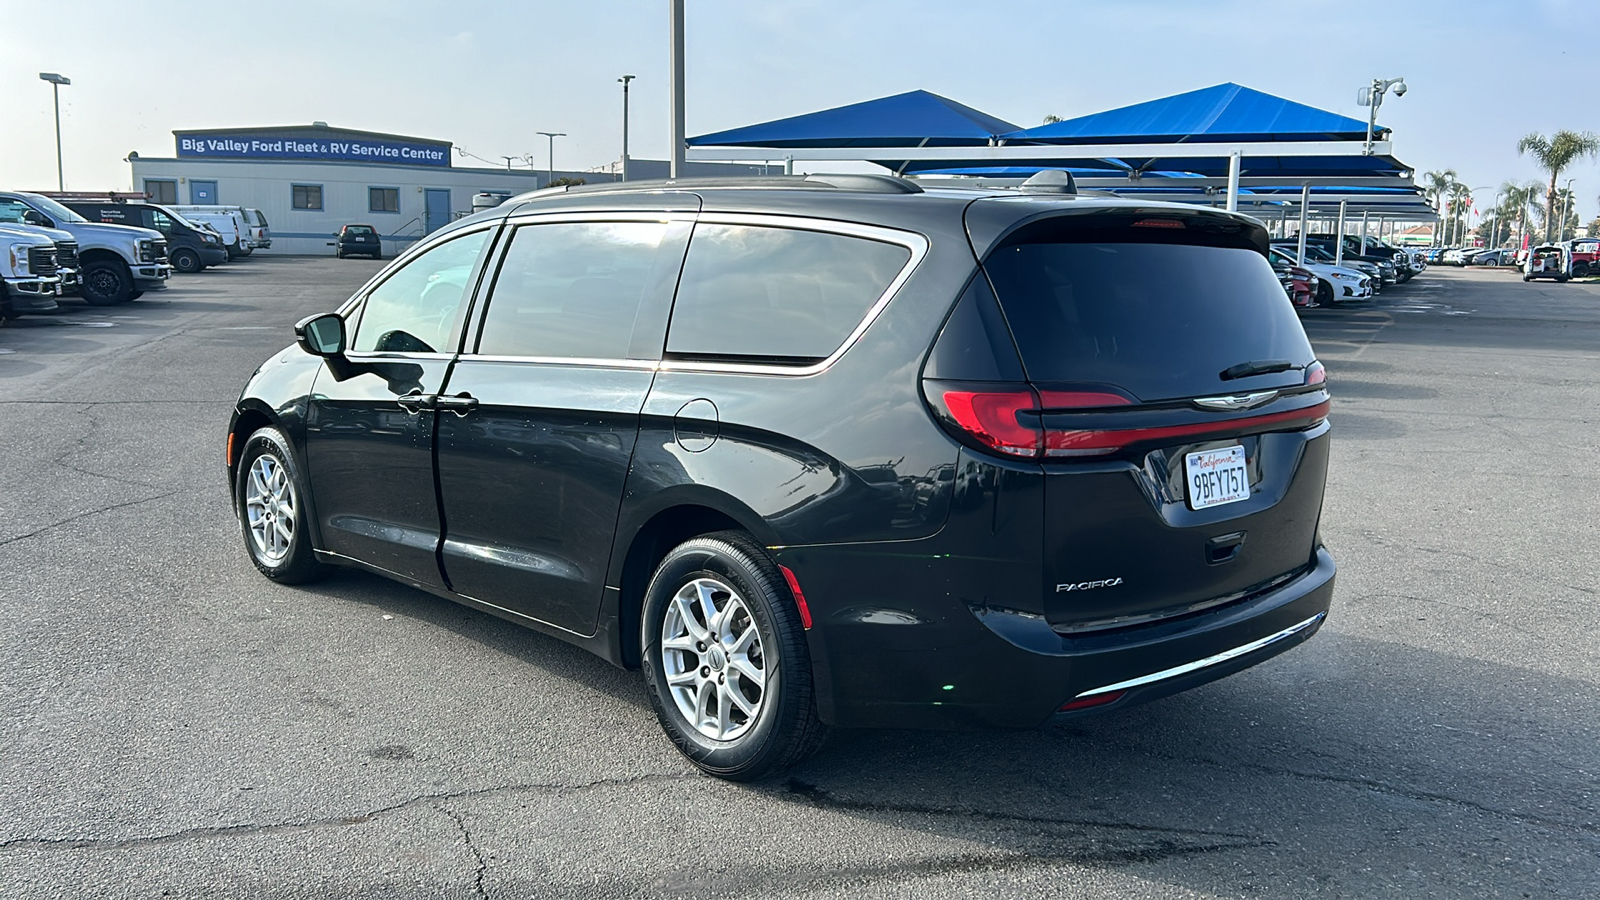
508, 160
1372, 98
552, 135
676, 111
56, 81
625, 79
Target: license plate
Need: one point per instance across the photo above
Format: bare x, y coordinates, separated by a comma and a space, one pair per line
1216, 477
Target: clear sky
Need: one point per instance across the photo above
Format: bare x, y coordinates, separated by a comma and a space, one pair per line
489, 75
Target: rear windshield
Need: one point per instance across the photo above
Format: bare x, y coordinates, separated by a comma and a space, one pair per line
1159, 320
358, 229
256, 218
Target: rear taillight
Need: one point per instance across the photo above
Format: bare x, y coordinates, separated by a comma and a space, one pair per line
1010, 420
1315, 374
991, 418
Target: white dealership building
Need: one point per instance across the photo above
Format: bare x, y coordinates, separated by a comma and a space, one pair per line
310, 179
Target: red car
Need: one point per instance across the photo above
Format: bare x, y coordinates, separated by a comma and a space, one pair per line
1299, 284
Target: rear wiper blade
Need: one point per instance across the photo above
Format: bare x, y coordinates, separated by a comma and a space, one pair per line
1258, 367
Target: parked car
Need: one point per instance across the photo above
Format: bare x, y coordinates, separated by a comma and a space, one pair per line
1497, 256
1325, 250
1395, 265
358, 240
1299, 284
1373, 269
116, 263
1585, 256
1335, 284
1548, 261
632, 416
228, 225
28, 280
189, 247
260, 229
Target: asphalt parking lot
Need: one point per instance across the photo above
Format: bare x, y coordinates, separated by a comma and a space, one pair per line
175, 725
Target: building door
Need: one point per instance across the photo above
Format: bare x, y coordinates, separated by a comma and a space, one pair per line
438, 205
202, 193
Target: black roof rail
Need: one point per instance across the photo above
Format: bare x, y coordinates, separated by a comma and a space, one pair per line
876, 184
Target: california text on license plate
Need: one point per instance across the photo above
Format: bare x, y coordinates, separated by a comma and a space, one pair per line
1216, 477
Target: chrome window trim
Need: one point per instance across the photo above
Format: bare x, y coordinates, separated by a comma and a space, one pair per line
598, 216
585, 362
1213, 660
391, 354
915, 243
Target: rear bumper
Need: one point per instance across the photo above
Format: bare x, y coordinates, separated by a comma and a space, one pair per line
940, 662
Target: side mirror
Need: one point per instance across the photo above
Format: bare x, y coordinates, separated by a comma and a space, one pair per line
321, 335
34, 217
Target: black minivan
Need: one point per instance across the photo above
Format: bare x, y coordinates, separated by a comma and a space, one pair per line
820, 451
189, 247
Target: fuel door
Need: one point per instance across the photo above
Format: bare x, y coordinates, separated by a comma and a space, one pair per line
696, 425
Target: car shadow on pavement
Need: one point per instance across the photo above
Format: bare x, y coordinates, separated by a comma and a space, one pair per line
1318, 757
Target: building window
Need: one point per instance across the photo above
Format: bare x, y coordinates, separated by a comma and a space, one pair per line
383, 200
161, 191
307, 196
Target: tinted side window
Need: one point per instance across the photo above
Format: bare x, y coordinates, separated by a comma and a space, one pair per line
414, 309
780, 294
571, 289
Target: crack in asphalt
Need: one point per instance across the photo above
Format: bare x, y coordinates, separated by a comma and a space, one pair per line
220, 831
1162, 846
1384, 787
83, 515
466, 835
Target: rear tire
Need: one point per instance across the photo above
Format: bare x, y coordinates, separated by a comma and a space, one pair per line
725, 605
106, 282
1324, 294
270, 501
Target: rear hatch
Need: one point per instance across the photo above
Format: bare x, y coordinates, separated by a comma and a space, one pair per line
1172, 401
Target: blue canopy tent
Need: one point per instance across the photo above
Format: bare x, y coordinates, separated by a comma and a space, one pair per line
912, 119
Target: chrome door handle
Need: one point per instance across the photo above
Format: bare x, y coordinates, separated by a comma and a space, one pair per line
460, 404
416, 401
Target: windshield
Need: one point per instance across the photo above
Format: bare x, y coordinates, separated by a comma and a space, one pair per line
178, 218
358, 229
52, 209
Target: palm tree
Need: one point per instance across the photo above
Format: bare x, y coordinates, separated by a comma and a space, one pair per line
1456, 196
1514, 203
1435, 186
1554, 154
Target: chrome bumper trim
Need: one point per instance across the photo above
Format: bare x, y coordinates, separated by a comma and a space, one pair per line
1198, 664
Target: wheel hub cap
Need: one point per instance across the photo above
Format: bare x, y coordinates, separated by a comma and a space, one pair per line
714, 658
269, 505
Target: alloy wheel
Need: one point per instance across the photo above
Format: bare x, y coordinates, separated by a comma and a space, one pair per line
714, 658
270, 508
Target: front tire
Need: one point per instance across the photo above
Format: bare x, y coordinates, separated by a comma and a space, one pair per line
269, 497
185, 260
725, 659
1325, 294
105, 283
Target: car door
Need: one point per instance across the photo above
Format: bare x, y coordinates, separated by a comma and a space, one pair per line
539, 420
370, 425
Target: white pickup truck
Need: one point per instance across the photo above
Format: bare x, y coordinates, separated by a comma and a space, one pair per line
28, 279
116, 263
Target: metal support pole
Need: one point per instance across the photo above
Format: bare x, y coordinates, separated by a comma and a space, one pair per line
1364, 214
788, 165
625, 79
1233, 181
61, 179
676, 112
1338, 253
1305, 207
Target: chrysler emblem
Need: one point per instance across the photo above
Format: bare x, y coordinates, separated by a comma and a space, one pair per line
1236, 401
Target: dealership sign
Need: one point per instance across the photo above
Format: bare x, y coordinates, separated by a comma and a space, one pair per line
350, 150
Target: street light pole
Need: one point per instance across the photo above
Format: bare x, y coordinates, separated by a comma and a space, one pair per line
552, 135
676, 111
625, 79
56, 81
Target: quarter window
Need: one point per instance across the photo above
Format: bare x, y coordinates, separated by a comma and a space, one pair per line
777, 295
572, 290
306, 196
415, 309
161, 191
383, 199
